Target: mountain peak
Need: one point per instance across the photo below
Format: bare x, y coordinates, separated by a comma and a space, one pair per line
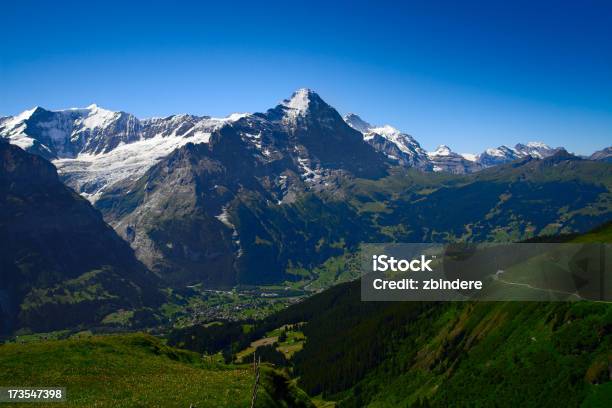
602, 155
386, 130
362, 126
442, 150
538, 144
97, 117
305, 106
501, 151
300, 100
355, 121
535, 149
27, 114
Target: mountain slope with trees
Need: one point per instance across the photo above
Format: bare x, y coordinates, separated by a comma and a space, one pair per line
387, 354
60, 263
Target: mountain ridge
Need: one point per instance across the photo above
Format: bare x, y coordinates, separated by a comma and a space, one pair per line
94, 148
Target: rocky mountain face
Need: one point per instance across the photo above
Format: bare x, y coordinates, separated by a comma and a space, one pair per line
198, 217
198, 214
399, 148
495, 156
537, 150
444, 159
504, 154
316, 132
60, 264
93, 148
603, 155
60, 134
252, 197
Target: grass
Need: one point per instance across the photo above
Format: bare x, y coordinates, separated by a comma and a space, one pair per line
34, 337
291, 347
294, 340
133, 370
602, 234
120, 318
257, 343
321, 403
335, 270
293, 343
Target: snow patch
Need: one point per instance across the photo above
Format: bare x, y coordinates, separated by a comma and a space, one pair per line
495, 152
224, 217
297, 105
442, 150
404, 142
19, 119
97, 117
97, 172
540, 145
470, 156
386, 130
21, 140
299, 101
357, 123
308, 174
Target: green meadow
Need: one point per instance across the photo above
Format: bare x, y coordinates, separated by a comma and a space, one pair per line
138, 370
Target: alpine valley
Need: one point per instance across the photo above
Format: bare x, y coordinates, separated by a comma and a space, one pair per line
229, 238
282, 197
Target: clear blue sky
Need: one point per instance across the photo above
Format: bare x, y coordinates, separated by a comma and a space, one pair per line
470, 75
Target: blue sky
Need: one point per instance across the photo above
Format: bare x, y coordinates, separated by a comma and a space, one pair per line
470, 75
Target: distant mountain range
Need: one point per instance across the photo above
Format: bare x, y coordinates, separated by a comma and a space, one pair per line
406, 151
94, 148
602, 155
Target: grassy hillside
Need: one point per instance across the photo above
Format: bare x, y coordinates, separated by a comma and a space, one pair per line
459, 354
407, 354
602, 234
138, 370
496, 354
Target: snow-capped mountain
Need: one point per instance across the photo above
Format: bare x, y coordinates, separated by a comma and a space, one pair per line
189, 214
357, 123
400, 148
95, 148
444, 159
403, 149
504, 154
66, 133
495, 156
537, 150
602, 155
